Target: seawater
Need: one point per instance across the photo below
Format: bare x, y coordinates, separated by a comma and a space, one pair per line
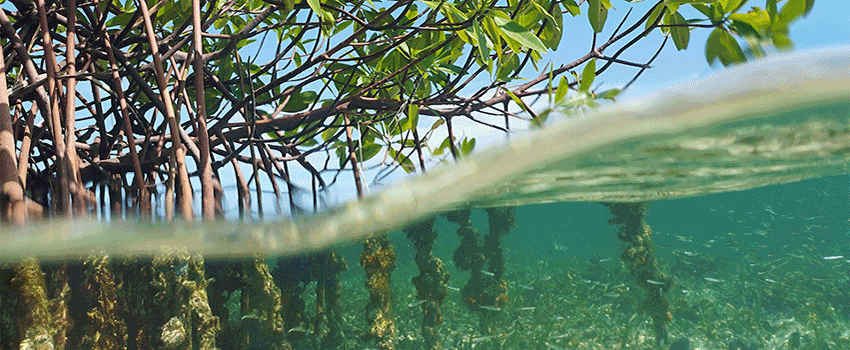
767, 268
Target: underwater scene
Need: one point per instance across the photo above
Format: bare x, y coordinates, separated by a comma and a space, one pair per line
767, 268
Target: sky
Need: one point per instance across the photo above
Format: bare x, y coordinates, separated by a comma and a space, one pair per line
827, 25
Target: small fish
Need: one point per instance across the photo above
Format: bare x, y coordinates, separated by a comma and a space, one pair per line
482, 338
611, 295
415, 303
488, 273
690, 253
657, 283
834, 257
453, 288
712, 279
527, 308
491, 308
559, 336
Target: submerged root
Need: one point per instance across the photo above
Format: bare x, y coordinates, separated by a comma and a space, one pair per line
431, 283
639, 258
378, 260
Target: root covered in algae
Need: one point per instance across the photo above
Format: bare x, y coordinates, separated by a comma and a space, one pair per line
102, 309
486, 291
181, 310
262, 304
639, 258
244, 296
38, 320
431, 283
328, 303
378, 260
34, 313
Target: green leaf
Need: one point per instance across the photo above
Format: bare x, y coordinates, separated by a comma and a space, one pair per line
437, 124
771, 10
609, 94
782, 42
730, 6
316, 6
300, 101
653, 17
571, 6
369, 150
520, 34
681, 35
342, 154
405, 162
466, 146
588, 75
793, 9
413, 115
563, 88
483, 50
759, 21
328, 134
543, 12
516, 99
506, 66
442, 147
721, 45
597, 14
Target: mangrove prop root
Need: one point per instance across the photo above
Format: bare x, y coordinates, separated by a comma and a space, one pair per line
108, 331
33, 318
639, 258
485, 293
227, 277
59, 293
262, 304
501, 220
181, 309
330, 266
378, 260
431, 283
468, 256
292, 276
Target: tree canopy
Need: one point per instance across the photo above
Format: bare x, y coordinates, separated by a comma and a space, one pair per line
102, 101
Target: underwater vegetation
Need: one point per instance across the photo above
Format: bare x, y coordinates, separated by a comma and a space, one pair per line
450, 281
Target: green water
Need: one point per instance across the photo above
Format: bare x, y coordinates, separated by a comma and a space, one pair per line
751, 267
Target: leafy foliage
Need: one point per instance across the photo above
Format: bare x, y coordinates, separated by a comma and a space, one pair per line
290, 84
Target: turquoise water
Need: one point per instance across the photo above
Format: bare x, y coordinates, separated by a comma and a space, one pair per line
750, 269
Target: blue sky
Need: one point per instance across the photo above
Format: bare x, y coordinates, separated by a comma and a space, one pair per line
827, 25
